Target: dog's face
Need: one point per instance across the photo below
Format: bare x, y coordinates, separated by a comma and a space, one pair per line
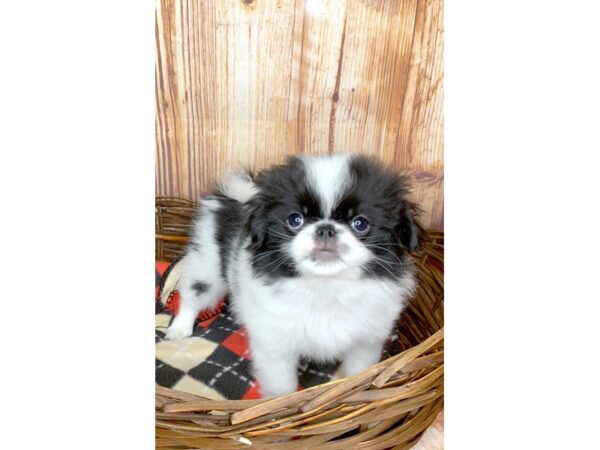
332, 216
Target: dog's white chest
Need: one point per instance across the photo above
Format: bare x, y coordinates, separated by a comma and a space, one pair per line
323, 319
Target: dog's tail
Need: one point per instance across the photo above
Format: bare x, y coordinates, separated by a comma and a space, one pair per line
239, 186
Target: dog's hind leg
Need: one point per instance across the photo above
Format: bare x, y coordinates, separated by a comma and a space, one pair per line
202, 284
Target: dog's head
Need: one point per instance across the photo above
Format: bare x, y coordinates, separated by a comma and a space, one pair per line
331, 216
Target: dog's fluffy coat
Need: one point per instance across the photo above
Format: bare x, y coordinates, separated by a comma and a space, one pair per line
302, 275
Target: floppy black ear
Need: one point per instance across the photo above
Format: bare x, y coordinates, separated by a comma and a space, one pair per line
256, 223
409, 232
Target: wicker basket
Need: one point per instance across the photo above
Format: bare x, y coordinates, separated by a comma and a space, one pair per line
387, 406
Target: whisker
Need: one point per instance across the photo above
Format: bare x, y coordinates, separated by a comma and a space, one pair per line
284, 257
370, 271
276, 260
387, 244
279, 234
279, 265
263, 255
382, 266
390, 263
261, 259
384, 249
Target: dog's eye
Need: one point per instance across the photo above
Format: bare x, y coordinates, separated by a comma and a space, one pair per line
295, 220
360, 224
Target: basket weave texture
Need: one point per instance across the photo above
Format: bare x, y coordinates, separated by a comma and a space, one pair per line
388, 405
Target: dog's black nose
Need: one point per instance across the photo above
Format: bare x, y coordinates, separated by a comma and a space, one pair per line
325, 232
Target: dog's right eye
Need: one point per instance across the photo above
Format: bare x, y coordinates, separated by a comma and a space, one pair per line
360, 224
295, 220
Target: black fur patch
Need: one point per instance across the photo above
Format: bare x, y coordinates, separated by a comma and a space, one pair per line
194, 245
379, 194
199, 287
229, 219
283, 190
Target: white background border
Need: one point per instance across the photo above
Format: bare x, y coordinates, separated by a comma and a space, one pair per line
77, 179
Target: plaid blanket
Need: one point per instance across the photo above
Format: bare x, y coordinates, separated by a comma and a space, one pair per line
214, 362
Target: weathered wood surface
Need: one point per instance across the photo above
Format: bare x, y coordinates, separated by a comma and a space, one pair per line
250, 81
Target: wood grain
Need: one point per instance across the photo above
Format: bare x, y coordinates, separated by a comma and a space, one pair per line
247, 82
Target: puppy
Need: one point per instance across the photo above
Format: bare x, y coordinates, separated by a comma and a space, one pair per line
314, 256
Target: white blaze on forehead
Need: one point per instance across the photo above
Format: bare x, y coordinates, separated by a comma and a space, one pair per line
329, 176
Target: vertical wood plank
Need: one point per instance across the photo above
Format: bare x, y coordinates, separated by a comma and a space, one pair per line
316, 60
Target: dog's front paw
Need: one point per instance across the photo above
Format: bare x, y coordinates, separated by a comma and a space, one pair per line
179, 329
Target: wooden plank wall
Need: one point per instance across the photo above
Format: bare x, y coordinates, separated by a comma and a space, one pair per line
250, 81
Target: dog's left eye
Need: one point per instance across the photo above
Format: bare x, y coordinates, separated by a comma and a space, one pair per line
295, 221
360, 224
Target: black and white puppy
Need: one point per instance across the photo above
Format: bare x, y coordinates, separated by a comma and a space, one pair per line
314, 256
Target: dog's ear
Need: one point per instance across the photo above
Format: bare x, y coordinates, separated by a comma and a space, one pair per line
256, 222
409, 233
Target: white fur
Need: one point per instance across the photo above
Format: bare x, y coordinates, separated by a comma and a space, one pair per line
328, 312
238, 186
328, 175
